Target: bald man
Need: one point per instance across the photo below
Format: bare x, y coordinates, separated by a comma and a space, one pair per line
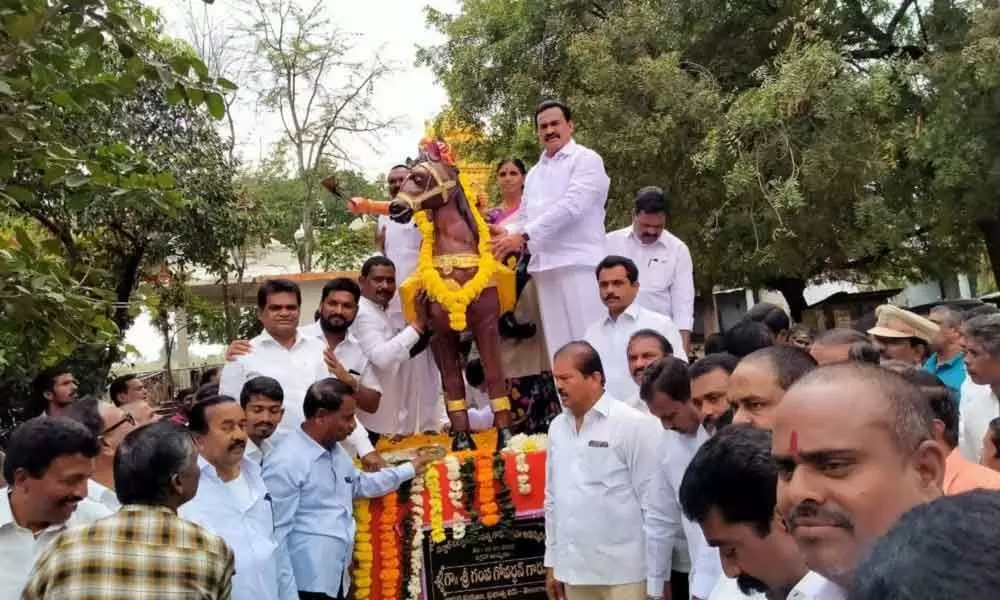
855, 450
760, 380
834, 345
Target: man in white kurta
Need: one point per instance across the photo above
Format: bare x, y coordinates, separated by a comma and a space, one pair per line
617, 279
605, 529
399, 242
561, 223
666, 273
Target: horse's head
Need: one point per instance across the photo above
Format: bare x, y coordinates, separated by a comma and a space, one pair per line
432, 182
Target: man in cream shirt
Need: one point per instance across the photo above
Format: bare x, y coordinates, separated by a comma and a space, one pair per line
604, 520
561, 223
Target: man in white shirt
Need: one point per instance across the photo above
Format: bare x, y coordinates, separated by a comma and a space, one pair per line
561, 223
410, 381
281, 352
261, 400
760, 380
399, 242
729, 489
618, 284
313, 484
710, 377
855, 449
109, 424
645, 347
981, 343
665, 269
49, 461
233, 502
666, 390
603, 516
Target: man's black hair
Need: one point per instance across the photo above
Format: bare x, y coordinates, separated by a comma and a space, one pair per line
994, 433
733, 473
942, 549
788, 363
398, 166
261, 385
667, 376
652, 200
771, 315
375, 261
198, 413
651, 334
278, 286
547, 104
207, 375
715, 343
148, 459
341, 284
841, 336
587, 360
86, 411
711, 362
613, 260
38, 442
46, 381
326, 394
747, 337
206, 391
474, 373
940, 400
119, 386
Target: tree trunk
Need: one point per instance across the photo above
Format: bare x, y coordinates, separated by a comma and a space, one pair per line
128, 276
227, 309
793, 289
991, 237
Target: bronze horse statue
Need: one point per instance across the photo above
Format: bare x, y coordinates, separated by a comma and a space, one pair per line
454, 253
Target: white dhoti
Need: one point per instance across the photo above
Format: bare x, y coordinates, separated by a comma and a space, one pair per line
569, 302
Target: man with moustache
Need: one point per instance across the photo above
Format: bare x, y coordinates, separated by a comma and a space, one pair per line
710, 389
261, 401
855, 450
730, 491
665, 269
645, 347
109, 424
561, 224
760, 380
338, 307
618, 284
49, 461
284, 353
396, 352
605, 530
54, 389
980, 404
399, 242
232, 502
666, 390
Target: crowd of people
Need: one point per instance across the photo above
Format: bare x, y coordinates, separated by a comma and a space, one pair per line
769, 467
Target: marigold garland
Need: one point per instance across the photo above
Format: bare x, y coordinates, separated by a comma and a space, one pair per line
388, 551
455, 301
432, 481
489, 512
363, 551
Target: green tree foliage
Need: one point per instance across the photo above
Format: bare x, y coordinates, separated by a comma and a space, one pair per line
799, 140
108, 165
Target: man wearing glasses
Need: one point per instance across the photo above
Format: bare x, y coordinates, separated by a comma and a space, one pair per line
110, 424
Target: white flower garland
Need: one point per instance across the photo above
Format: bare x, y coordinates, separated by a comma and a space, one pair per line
523, 474
520, 445
413, 587
455, 495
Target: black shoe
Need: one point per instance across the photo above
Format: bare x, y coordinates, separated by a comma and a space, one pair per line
510, 328
461, 440
503, 438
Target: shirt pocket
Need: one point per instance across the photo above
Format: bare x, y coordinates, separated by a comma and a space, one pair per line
658, 273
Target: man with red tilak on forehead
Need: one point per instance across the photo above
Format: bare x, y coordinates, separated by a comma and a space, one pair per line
855, 450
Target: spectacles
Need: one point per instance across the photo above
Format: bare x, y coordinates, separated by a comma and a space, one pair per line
128, 418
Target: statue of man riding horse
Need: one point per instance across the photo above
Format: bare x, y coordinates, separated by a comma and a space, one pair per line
468, 289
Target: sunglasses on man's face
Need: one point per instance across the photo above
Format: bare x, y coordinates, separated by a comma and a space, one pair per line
128, 418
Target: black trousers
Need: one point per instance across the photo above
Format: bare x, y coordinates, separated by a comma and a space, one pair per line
679, 585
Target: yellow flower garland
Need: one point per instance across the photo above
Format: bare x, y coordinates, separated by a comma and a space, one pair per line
363, 552
454, 299
432, 480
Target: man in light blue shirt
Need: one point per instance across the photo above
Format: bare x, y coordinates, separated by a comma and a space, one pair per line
233, 502
313, 483
948, 360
